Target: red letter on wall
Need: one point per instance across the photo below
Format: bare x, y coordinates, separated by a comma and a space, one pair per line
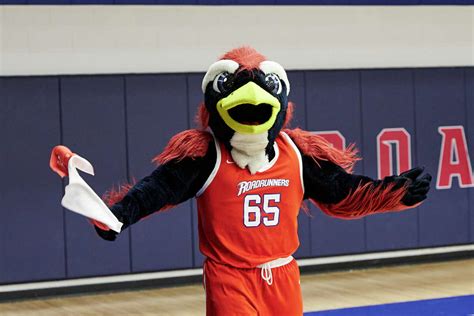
454, 158
386, 140
334, 137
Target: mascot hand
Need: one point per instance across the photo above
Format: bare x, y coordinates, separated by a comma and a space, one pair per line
417, 187
103, 231
58, 162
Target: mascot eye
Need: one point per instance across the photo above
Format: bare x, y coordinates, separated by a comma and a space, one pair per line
273, 83
222, 83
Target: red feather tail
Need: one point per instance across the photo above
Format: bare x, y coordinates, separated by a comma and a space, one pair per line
366, 200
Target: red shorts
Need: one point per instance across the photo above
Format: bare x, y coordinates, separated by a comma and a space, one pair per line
234, 291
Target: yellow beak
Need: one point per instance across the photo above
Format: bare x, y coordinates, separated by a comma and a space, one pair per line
253, 94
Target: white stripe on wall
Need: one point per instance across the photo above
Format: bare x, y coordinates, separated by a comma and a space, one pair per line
195, 272
38, 40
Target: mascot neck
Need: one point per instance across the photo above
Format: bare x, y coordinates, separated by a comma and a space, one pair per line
249, 150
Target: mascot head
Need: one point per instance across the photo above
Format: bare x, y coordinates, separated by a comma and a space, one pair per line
246, 97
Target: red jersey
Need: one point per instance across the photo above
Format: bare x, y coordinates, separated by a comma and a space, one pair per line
246, 220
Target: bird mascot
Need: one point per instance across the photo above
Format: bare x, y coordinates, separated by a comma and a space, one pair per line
250, 176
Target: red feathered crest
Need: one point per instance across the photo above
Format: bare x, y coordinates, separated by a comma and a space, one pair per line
247, 57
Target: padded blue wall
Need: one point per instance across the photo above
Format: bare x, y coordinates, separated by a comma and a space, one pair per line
387, 101
32, 237
469, 88
333, 103
156, 110
119, 122
93, 123
440, 96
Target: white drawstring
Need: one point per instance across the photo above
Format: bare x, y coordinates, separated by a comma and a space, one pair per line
266, 273
267, 267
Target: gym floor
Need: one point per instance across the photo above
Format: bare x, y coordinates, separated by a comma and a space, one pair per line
321, 292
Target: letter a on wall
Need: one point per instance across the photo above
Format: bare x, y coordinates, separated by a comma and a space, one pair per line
454, 158
387, 140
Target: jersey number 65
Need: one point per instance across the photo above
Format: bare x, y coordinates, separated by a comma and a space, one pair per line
256, 212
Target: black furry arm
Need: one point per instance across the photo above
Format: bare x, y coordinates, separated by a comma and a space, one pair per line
346, 195
169, 184
327, 182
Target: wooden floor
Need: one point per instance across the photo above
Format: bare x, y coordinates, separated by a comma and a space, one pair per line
320, 292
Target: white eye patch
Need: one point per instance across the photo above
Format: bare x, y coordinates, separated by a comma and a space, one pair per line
269, 67
216, 68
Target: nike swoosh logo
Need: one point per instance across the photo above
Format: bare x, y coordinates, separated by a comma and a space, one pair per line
229, 162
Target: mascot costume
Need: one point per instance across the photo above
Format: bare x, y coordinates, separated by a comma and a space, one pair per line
250, 176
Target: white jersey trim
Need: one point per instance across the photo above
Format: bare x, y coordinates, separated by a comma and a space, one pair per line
214, 171
300, 160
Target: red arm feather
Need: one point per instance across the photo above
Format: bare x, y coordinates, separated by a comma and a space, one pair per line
365, 200
192, 143
331, 187
318, 148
